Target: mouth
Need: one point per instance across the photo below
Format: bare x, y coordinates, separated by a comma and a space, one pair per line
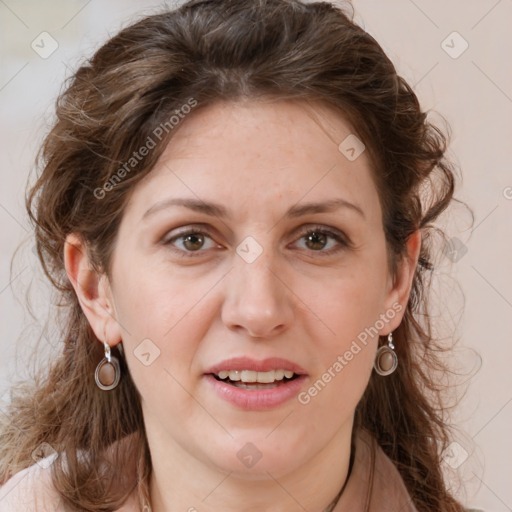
249, 379
256, 385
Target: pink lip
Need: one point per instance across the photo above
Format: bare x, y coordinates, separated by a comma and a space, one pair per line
257, 399
265, 365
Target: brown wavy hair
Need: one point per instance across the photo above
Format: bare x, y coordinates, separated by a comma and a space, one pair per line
211, 50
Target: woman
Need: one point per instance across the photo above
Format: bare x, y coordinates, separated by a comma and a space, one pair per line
235, 205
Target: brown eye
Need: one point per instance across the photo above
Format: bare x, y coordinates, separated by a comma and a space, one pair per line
316, 240
193, 241
189, 242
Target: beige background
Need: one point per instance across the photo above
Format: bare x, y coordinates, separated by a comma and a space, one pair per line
472, 91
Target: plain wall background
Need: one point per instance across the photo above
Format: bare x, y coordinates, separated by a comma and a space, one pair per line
473, 91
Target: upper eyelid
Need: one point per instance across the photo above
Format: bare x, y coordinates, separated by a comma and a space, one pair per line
204, 228
302, 230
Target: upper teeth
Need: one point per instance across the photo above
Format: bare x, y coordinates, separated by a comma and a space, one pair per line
251, 376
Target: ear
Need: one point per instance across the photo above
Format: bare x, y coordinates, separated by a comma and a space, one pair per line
397, 296
92, 289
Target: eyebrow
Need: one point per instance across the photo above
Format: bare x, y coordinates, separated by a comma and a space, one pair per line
218, 210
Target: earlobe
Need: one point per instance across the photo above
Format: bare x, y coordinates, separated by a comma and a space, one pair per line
91, 288
401, 287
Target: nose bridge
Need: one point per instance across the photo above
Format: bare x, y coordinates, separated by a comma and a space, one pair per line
258, 278
256, 299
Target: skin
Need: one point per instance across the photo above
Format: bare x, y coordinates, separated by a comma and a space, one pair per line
257, 159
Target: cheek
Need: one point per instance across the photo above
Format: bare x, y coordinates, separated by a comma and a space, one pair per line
349, 318
350, 307
340, 383
152, 317
156, 298
165, 316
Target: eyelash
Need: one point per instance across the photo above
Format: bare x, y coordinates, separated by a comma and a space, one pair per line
338, 236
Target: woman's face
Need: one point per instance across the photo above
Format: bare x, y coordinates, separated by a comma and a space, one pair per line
249, 290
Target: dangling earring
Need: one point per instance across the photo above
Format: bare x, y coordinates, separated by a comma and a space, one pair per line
386, 360
108, 371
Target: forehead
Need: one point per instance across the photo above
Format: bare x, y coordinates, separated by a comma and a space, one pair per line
255, 153
254, 123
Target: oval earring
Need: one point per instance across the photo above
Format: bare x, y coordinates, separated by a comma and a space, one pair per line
108, 371
386, 359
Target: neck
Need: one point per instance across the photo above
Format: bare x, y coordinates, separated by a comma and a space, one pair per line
158, 497
316, 485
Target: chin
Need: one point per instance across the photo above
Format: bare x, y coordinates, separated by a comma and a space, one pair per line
257, 458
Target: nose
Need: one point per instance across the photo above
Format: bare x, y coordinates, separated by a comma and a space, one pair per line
258, 301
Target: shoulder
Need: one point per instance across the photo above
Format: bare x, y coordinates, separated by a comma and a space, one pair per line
31, 490
388, 487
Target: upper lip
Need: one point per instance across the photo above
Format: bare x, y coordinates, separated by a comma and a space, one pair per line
263, 365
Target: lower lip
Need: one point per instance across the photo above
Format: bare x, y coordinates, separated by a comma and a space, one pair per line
257, 399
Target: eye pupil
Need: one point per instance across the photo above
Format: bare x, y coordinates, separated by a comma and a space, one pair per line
316, 238
193, 238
